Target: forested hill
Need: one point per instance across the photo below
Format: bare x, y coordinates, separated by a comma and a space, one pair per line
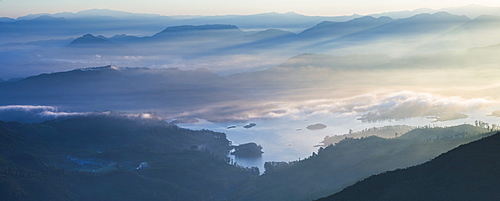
469, 172
113, 157
106, 133
350, 160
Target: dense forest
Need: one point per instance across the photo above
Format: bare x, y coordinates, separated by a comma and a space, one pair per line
113, 157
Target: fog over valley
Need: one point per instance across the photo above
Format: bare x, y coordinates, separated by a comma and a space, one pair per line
272, 106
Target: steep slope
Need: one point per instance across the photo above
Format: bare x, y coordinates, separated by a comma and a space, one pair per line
469, 172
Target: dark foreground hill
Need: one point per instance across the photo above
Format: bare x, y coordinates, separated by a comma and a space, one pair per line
469, 172
112, 157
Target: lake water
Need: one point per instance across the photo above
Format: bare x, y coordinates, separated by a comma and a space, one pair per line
288, 139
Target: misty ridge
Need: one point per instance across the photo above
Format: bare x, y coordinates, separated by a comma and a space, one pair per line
65, 41
111, 105
274, 93
225, 73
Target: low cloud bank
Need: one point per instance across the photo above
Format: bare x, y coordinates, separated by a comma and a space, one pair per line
409, 104
41, 113
367, 108
32, 113
496, 113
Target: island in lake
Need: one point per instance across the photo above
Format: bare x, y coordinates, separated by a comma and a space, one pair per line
247, 150
250, 125
316, 127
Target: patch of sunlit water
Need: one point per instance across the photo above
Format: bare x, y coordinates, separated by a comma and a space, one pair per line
288, 139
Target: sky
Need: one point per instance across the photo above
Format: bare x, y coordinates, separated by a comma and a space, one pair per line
17, 8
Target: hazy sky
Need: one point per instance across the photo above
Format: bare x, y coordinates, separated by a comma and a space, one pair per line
16, 8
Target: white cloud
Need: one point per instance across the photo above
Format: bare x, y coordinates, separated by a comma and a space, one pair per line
31, 113
40, 113
410, 104
59, 114
27, 107
368, 107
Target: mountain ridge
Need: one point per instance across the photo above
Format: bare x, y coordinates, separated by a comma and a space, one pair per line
468, 172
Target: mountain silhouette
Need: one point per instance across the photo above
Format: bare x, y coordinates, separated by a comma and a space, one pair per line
90, 41
337, 29
422, 24
271, 34
202, 31
469, 172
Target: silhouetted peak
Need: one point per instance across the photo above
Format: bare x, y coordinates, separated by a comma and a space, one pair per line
326, 23
48, 18
110, 13
439, 16
269, 33
475, 6
108, 67
292, 14
473, 164
370, 19
100, 12
446, 14
7, 19
120, 36
485, 18
209, 30
88, 36
361, 21
193, 28
89, 39
364, 18
385, 18
102, 37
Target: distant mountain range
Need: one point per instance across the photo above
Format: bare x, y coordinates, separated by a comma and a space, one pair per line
38, 42
468, 172
471, 11
327, 36
169, 89
145, 24
90, 41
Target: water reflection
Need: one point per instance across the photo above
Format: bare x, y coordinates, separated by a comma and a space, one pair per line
256, 161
